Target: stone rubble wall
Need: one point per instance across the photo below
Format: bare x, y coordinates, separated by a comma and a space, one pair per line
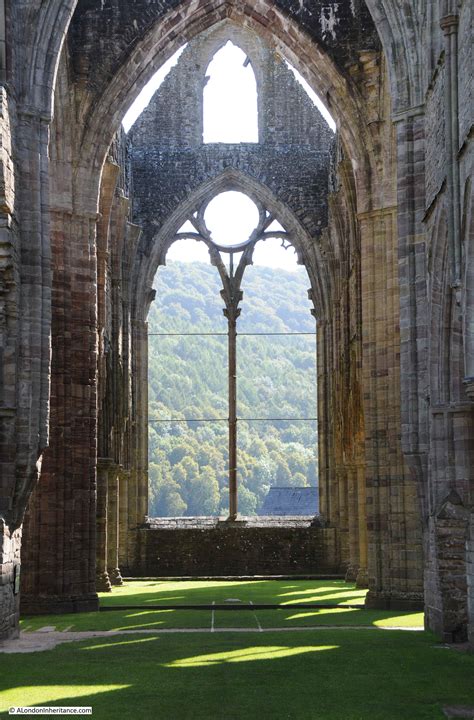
10, 545
247, 548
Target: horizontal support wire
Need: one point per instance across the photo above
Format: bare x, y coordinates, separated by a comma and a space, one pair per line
312, 419
313, 334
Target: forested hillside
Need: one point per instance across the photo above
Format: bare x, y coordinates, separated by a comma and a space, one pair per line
188, 380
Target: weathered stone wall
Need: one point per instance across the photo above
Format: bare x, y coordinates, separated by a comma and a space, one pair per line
111, 49
170, 161
435, 152
207, 547
10, 545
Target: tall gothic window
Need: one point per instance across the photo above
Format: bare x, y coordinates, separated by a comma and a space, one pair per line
230, 112
232, 379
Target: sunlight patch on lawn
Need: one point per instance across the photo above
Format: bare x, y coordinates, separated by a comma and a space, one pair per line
413, 620
108, 645
148, 612
247, 655
27, 696
318, 613
328, 593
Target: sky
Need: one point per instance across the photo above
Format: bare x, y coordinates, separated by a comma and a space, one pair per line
229, 115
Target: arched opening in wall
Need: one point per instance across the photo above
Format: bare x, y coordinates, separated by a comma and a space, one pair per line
232, 378
277, 390
187, 386
230, 107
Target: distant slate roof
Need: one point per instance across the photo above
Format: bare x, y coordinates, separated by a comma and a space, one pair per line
290, 501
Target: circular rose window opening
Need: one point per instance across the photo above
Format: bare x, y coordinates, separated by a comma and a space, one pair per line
231, 217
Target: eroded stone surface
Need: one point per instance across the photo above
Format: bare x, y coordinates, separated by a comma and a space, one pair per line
392, 275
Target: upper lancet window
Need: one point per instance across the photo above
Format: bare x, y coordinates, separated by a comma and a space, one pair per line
230, 112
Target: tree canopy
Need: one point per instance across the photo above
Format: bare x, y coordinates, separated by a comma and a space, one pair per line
276, 378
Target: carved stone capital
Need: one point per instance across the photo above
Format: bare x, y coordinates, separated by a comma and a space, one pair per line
449, 24
468, 383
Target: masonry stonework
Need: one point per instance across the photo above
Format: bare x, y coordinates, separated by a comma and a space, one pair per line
383, 220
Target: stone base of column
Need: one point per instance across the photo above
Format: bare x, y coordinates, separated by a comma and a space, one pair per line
351, 573
102, 582
58, 605
115, 577
394, 601
362, 579
447, 629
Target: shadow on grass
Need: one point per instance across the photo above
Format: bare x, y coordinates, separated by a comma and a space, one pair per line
197, 592
343, 675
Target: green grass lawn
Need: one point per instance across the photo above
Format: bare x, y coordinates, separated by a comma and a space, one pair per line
143, 594
205, 592
315, 675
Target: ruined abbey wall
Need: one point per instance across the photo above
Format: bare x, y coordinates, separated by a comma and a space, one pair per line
394, 291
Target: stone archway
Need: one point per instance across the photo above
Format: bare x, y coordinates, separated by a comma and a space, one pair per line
74, 224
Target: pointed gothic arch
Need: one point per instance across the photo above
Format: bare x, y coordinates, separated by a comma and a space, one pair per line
230, 105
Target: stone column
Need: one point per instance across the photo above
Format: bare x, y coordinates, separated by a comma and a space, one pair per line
353, 506
138, 480
113, 526
25, 324
362, 574
393, 514
470, 579
323, 422
60, 528
343, 522
103, 583
123, 521
3, 43
9, 329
